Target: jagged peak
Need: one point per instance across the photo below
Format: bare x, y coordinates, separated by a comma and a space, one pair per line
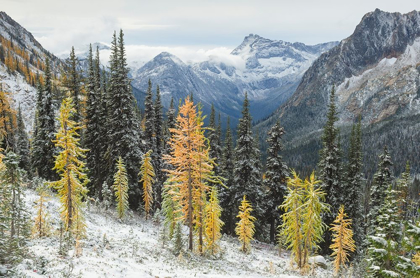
166, 56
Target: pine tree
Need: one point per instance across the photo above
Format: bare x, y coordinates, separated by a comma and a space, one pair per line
71, 186
227, 169
353, 188
383, 256
121, 188
149, 115
107, 196
275, 177
73, 85
159, 148
22, 147
343, 242
147, 174
14, 225
214, 141
213, 223
329, 167
302, 226
247, 174
381, 181
93, 136
123, 128
43, 146
41, 227
403, 185
245, 227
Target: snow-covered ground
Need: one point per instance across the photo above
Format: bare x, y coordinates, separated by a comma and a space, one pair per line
133, 248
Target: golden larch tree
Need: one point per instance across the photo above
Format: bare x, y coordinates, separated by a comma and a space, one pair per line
213, 224
41, 226
343, 242
147, 173
302, 227
71, 187
121, 188
189, 160
245, 227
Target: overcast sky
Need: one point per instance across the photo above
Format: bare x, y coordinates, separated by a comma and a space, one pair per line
191, 29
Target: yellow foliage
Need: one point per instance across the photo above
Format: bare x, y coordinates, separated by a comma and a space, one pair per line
41, 226
72, 185
147, 174
342, 240
213, 223
245, 227
302, 227
121, 188
192, 167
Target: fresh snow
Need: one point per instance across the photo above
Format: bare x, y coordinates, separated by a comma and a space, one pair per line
133, 249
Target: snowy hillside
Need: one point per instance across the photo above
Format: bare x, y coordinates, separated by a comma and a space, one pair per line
21, 93
133, 248
268, 70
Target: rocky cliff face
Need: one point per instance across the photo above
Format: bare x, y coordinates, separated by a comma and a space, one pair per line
376, 72
268, 70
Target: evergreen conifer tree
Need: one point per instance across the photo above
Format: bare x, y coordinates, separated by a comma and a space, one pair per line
123, 128
381, 181
93, 136
275, 177
214, 141
352, 191
149, 115
159, 148
73, 85
43, 146
329, 167
403, 185
22, 145
247, 174
383, 252
227, 169
14, 219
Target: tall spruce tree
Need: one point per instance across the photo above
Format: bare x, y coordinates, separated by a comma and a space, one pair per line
352, 192
149, 115
226, 168
22, 145
246, 173
275, 177
214, 141
73, 85
383, 252
329, 167
159, 149
381, 181
123, 127
43, 146
93, 136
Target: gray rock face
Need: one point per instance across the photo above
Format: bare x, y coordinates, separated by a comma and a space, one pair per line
319, 261
375, 72
268, 70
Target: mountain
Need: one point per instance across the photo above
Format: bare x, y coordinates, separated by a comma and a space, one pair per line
21, 58
376, 73
268, 70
